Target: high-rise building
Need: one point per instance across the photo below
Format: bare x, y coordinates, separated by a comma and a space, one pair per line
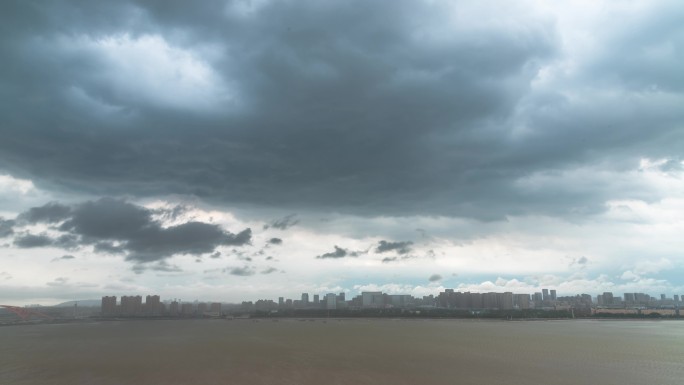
331, 301
629, 297
522, 301
202, 308
642, 298
152, 305
446, 298
662, 297
316, 299
399, 300
608, 298
131, 305
305, 299
108, 305
506, 301
341, 297
553, 295
586, 298
462, 300
489, 301
187, 309
545, 295
215, 307
476, 301
676, 298
372, 299
174, 308
281, 302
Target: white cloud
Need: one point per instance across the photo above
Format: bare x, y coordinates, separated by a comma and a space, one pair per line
11, 184
629, 276
649, 267
146, 69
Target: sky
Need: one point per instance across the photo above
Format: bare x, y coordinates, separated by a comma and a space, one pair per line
235, 150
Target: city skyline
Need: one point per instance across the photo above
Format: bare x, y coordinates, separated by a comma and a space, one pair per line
245, 149
544, 301
541, 296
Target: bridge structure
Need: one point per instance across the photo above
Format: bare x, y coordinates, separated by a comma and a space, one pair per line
25, 313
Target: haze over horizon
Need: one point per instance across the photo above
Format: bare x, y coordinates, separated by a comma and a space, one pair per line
234, 150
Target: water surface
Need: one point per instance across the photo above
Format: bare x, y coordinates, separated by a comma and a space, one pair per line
359, 351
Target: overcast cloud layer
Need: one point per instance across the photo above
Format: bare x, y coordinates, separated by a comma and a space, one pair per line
354, 143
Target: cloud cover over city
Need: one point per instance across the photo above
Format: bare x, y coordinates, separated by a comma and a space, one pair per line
233, 150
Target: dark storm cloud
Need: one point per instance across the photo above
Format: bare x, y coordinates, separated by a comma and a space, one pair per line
6, 227
398, 247
27, 241
63, 258
275, 241
163, 266
348, 106
50, 213
244, 271
160, 266
117, 226
338, 253
435, 278
398, 259
109, 220
108, 247
283, 223
67, 241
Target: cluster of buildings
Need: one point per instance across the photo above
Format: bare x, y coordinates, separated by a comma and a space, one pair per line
609, 300
132, 306
448, 299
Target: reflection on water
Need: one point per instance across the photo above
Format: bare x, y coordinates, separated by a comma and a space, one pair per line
357, 351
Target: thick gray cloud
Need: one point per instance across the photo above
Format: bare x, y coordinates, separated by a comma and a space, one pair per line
27, 241
50, 213
283, 223
160, 266
338, 253
398, 247
435, 278
108, 247
6, 227
338, 106
117, 226
67, 241
63, 258
244, 271
64, 241
275, 241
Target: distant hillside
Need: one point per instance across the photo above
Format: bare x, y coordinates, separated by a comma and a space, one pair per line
83, 302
